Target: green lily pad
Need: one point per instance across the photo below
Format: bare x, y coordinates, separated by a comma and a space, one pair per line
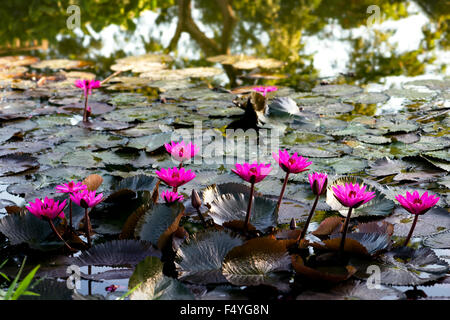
337, 90
158, 223
439, 240
354, 290
199, 259
152, 284
116, 253
258, 261
367, 98
230, 207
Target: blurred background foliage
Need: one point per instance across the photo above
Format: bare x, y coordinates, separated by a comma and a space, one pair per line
263, 28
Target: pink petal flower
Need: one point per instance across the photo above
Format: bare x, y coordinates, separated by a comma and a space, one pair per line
48, 208
352, 195
291, 164
265, 89
87, 85
175, 177
416, 204
254, 172
171, 197
318, 182
181, 151
70, 187
86, 199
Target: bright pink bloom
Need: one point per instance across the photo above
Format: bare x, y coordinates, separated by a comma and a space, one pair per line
291, 164
352, 195
112, 288
252, 173
181, 151
87, 85
175, 177
318, 182
70, 187
86, 199
171, 197
416, 204
48, 209
265, 89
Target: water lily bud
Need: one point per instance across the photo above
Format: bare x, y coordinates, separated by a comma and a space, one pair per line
292, 225
195, 198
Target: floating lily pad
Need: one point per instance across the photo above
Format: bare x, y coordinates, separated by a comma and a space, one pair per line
405, 266
257, 262
367, 98
180, 74
435, 220
440, 240
49, 289
60, 64
386, 167
158, 224
116, 253
354, 290
337, 90
142, 63
410, 94
137, 183
230, 207
16, 163
199, 259
152, 284
25, 228
373, 139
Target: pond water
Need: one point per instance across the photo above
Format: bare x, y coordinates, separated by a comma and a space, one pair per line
371, 80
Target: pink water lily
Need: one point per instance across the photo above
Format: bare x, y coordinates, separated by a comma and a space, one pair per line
291, 164
417, 205
352, 195
253, 173
181, 151
265, 89
70, 187
87, 85
171, 197
47, 209
175, 177
86, 199
318, 182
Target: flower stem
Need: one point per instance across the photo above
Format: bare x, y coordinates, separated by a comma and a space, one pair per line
58, 235
249, 208
87, 226
85, 119
282, 192
70, 213
344, 233
180, 165
201, 217
412, 230
313, 208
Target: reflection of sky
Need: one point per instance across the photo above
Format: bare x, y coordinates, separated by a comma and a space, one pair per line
330, 47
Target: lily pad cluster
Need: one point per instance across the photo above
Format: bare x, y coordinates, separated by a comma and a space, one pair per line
166, 251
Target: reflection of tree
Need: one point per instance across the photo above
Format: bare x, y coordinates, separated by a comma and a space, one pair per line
275, 28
